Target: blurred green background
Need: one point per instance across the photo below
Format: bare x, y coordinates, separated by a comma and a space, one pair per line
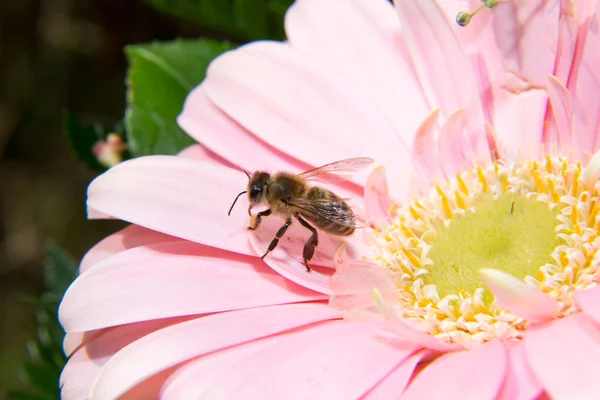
59, 55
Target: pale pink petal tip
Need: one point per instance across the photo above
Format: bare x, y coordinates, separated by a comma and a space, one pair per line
518, 297
377, 198
451, 144
423, 149
562, 110
591, 173
352, 287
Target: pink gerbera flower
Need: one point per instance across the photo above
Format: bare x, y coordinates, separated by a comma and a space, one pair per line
477, 278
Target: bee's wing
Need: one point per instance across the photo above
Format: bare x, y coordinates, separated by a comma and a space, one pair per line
334, 210
340, 170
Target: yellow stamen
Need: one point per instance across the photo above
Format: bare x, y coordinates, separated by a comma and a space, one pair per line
482, 179
445, 203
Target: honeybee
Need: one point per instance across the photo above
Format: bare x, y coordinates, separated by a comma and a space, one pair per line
289, 195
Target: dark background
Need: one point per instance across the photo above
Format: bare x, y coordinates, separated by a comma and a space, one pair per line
55, 55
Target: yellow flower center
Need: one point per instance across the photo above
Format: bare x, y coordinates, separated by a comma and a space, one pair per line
537, 221
511, 233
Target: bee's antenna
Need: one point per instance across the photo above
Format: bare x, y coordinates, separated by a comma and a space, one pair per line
247, 174
236, 199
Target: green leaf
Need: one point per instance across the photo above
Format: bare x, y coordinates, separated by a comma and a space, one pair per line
252, 17
60, 270
207, 13
160, 77
241, 20
41, 376
46, 357
22, 395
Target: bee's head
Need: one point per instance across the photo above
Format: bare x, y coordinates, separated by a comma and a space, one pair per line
257, 187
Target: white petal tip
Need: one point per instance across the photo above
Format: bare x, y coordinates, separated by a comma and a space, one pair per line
591, 173
518, 297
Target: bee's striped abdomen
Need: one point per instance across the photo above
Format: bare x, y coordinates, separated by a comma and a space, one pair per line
329, 212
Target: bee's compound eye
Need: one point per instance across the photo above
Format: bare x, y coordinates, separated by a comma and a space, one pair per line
255, 192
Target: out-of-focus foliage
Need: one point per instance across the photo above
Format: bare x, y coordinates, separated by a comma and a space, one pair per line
240, 20
46, 358
160, 77
83, 136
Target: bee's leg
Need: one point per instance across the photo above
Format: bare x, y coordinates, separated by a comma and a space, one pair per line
311, 244
278, 236
259, 216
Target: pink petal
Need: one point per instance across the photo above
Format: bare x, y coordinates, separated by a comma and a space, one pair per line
565, 356
587, 88
518, 297
172, 279
526, 34
170, 346
394, 384
484, 85
177, 196
517, 43
519, 121
95, 214
127, 238
338, 360
586, 105
206, 123
192, 379
574, 24
307, 112
209, 125
589, 301
451, 142
520, 382
377, 198
287, 259
496, 152
562, 111
151, 388
201, 153
433, 44
72, 341
480, 369
383, 74
84, 365
424, 147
